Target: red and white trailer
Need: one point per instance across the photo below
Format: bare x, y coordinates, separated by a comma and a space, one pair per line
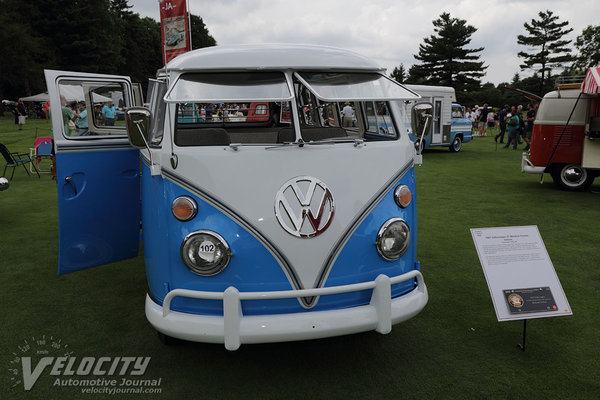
566, 134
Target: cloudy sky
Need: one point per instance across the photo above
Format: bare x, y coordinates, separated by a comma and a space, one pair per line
387, 30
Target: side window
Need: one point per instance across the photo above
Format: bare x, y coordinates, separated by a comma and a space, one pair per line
379, 120
437, 118
158, 107
93, 108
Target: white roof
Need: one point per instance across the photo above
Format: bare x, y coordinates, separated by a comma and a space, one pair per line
430, 89
272, 57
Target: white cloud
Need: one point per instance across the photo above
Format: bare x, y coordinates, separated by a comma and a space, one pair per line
389, 31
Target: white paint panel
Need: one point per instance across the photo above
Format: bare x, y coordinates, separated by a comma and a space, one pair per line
248, 180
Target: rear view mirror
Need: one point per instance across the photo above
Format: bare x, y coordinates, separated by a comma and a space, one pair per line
138, 126
420, 122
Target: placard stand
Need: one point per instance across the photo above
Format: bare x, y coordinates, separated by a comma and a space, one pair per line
521, 278
522, 346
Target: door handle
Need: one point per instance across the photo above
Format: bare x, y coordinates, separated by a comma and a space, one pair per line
69, 180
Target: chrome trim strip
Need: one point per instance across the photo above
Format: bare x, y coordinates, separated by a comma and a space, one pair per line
221, 205
375, 200
145, 160
307, 302
84, 147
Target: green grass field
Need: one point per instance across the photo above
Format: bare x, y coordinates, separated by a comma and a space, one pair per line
454, 349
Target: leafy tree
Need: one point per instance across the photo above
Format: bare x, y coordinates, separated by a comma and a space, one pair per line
399, 74
414, 76
588, 46
99, 36
545, 40
445, 59
200, 35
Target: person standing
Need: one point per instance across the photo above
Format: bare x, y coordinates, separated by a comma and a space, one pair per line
347, 115
502, 122
109, 113
82, 121
477, 113
532, 110
483, 119
66, 114
512, 126
46, 109
21, 113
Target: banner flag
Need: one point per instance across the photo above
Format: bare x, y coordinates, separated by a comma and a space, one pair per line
174, 28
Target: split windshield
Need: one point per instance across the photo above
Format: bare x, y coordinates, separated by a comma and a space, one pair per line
219, 109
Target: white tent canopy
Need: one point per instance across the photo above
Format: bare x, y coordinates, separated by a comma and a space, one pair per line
71, 92
37, 97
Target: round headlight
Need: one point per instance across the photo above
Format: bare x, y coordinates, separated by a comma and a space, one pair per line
393, 239
402, 196
184, 208
205, 253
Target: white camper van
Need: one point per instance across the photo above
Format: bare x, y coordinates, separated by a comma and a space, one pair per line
449, 127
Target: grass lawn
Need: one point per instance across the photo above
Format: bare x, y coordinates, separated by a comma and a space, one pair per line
454, 349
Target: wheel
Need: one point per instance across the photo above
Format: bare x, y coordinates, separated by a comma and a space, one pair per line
456, 144
571, 177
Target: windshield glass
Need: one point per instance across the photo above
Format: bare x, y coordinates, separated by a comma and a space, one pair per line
229, 87
339, 86
251, 120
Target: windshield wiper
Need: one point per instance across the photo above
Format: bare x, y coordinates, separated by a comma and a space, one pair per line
356, 140
299, 143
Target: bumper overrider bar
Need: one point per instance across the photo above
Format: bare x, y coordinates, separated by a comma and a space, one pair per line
234, 328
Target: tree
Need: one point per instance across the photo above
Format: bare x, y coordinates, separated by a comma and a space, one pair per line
545, 37
399, 74
588, 46
200, 35
98, 36
445, 60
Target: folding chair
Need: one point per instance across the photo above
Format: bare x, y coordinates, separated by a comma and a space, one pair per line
15, 159
42, 148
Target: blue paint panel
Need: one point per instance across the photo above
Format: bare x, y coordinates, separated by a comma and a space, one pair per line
359, 260
98, 206
253, 267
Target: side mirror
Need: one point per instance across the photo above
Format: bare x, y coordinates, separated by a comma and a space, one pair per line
138, 126
421, 123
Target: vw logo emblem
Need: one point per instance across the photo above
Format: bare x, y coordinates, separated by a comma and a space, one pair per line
304, 207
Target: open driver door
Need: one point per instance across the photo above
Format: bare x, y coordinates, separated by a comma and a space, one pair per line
97, 169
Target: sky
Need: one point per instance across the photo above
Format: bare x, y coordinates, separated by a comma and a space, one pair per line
389, 31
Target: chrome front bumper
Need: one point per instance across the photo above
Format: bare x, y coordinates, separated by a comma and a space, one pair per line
528, 167
234, 328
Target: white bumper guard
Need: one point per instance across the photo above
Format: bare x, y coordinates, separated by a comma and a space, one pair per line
528, 167
234, 328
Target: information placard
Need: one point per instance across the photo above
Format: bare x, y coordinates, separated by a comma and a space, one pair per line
520, 276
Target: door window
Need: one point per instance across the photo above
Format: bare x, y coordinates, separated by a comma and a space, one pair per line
93, 108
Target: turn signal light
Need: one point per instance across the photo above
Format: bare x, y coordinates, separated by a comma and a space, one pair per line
402, 196
184, 208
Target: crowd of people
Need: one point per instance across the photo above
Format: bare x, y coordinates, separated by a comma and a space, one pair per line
514, 123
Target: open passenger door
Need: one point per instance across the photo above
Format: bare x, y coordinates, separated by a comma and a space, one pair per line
97, 169
591, 143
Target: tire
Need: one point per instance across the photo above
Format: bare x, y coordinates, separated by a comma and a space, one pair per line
571, 177
456, 144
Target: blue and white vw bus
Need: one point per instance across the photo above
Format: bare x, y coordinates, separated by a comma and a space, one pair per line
293, 226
